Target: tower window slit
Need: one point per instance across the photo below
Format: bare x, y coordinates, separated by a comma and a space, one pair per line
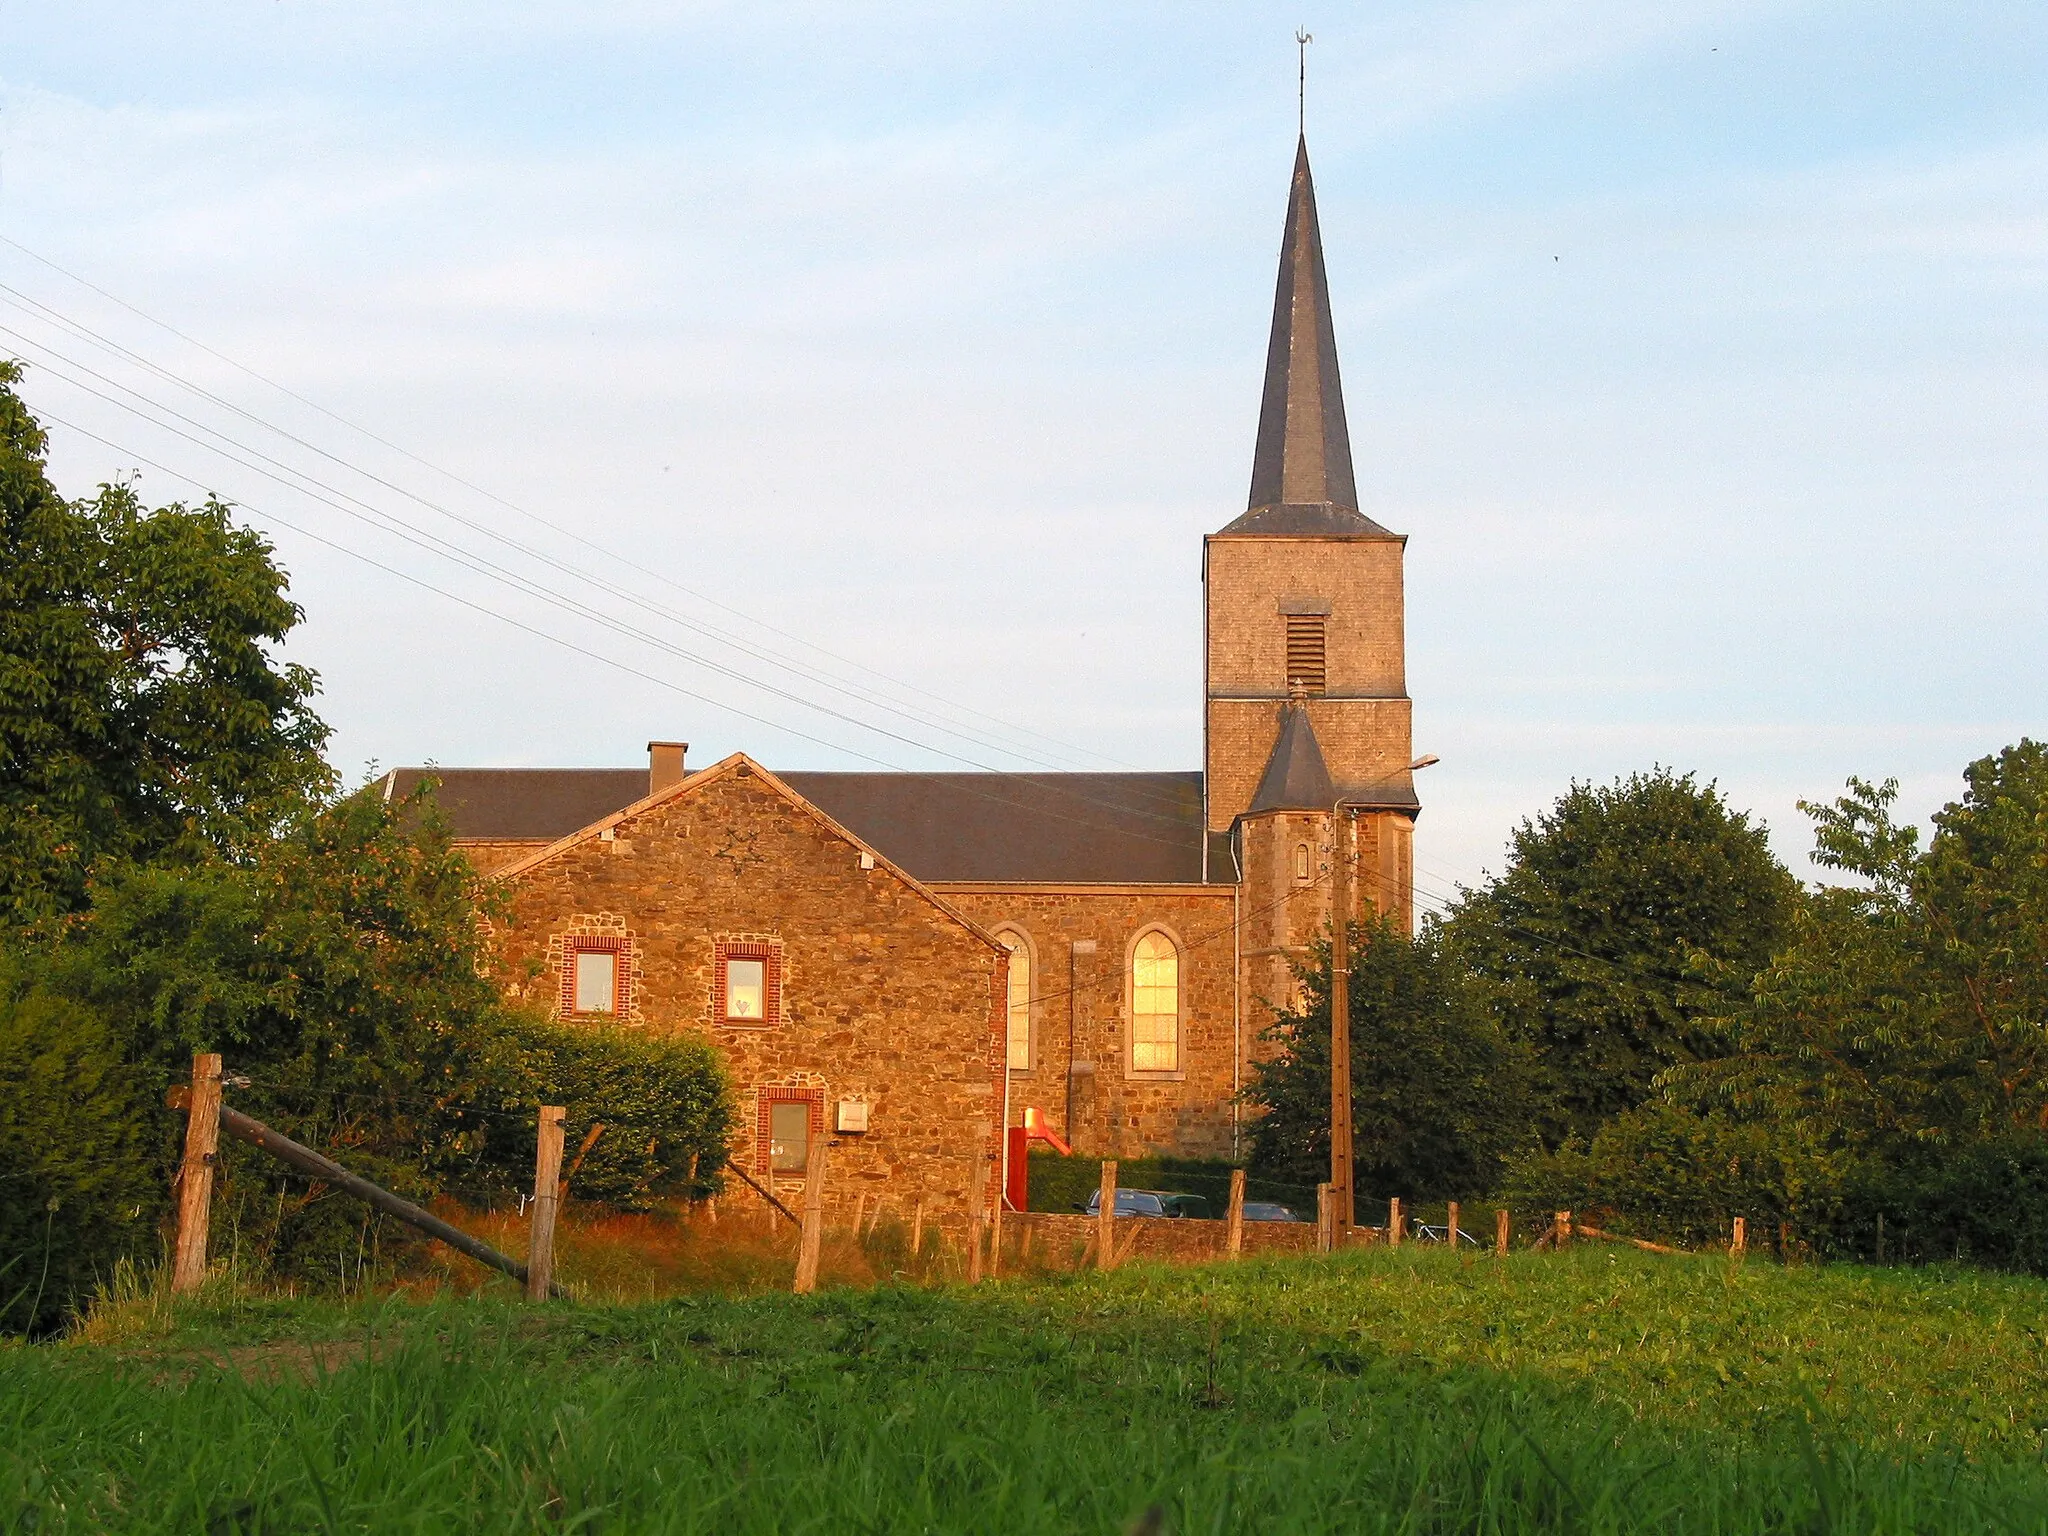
1305, 667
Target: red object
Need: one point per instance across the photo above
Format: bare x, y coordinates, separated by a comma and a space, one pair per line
1017, 1192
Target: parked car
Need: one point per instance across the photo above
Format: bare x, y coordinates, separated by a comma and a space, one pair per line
1149, 1202
1269, 1210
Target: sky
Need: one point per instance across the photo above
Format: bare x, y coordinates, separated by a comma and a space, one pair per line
853, 384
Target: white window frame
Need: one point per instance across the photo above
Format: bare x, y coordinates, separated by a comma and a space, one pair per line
1004, 935
1178, 1071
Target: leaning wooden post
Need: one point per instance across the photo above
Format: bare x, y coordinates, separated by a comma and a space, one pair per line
1394, 1222
814, 1218
1234, 1244
1451, 1224
195, 1174
547, 1198
1738, 1241
917, 1227
1500, 1232
977, 1214
1105, 1217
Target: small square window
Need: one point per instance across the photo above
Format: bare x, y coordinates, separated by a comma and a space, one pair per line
789, 1136
746, 989
746, 982
597, 981
596, 975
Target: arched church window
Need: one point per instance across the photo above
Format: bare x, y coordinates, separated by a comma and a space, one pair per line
1301, 861
1155, 1005
1020, 1000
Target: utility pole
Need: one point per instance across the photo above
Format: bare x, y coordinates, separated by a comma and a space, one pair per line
1341, 1194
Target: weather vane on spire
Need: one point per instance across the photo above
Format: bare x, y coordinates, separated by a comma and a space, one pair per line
1302, 38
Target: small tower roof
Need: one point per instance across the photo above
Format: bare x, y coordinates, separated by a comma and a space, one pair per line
1296, 777
1302, 484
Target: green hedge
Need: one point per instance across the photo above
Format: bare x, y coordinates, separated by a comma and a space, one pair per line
665, 1102
1061, 1183
81, 1181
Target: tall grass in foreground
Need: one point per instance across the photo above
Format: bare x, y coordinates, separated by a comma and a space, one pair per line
1280, 1395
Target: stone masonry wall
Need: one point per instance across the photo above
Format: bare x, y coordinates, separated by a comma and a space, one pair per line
1361, 717
1081, 1013
888, 999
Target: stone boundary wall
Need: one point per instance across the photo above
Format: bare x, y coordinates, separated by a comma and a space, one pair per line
1056, 1238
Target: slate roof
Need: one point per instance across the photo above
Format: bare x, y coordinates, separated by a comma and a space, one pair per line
515, 803
1303, 485
1296, 777
1022, 828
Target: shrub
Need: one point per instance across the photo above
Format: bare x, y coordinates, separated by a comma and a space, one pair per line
80, 1185
1666, 1173
665, 1103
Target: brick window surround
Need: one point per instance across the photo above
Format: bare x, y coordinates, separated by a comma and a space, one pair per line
598, 943
765, 1099
769, 953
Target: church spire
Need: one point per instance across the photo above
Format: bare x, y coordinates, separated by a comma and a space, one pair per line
1301, 469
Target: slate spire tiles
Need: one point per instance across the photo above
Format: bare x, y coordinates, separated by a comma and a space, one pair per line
1302, 481
1296, 777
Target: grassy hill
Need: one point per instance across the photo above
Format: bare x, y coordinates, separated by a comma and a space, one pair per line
1406, 1391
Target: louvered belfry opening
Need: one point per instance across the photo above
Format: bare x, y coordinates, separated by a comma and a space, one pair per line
1305, 651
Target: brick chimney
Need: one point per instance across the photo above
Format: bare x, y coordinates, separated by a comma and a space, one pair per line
664, 764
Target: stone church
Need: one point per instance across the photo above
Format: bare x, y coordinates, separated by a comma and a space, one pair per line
904, 961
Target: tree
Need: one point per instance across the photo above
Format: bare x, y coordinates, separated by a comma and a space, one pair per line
1628, 917
1891, 1061
1438, 1088
1912, 1006
142, 715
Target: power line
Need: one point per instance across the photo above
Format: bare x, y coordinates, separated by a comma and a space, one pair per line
512, 506
659, 612
299, 481
598, 656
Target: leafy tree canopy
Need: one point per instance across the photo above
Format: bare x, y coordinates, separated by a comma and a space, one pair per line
141, 712
1626, 916
1439, 1091
1912, 1006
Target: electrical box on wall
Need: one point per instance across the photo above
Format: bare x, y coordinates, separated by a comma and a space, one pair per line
853, 1116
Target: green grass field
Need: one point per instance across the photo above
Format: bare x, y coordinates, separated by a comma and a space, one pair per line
1404, 1391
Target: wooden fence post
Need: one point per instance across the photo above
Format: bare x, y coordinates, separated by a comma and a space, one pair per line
547, 1197
1738, 1240
1325, 1236
1105, 1217
1880, 1237
195, 1174
917, 1227
1234, 1243
814, 1217
995, 1230
977, 1213
1786, 1255
1561, 1229
1451, 1226
1500, 1232
1394, 1222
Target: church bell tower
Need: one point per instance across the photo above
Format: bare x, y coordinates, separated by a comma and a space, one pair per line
1307, 703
